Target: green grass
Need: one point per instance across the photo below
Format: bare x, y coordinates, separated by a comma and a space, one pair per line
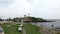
31, 29
12, 29
58, 32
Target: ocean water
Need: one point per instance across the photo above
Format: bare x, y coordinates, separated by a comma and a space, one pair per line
56, 23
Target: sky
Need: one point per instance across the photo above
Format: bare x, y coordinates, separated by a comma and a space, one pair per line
47, 9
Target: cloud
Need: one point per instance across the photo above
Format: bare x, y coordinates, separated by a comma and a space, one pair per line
15, 9
48, 9
5, 3
30, 1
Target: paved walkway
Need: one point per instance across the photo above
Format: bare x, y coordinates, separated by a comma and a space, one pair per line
23, 32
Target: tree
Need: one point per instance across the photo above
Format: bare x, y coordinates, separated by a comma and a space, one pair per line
0, 19
16, 19
9, 18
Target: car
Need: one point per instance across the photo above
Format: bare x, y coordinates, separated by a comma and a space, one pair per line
20, 29
21, 25
1, 30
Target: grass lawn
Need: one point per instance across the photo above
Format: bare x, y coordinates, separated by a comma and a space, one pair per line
31, 29
12, 29
58, 33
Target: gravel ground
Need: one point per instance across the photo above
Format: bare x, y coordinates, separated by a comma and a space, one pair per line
45, 30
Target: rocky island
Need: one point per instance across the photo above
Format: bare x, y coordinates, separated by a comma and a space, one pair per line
31, 19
